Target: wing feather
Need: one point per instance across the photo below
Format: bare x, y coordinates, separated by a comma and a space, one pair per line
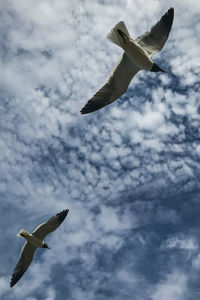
154, 40
52, 224
116, 85
25, 260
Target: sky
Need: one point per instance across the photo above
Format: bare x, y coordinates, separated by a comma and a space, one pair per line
128, 173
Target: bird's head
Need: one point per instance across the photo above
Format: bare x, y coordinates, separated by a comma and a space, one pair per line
46, 246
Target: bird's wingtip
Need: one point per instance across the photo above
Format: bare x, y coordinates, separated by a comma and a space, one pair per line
84, 111
171, 11
62, 215
15, 278
65, 211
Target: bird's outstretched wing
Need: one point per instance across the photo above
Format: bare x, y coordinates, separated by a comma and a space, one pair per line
154, 40
23, 263
45, 228
115, 86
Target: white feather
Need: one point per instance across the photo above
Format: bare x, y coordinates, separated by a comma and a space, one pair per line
114, 35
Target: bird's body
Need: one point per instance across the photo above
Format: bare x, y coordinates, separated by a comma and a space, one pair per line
31, 239
35, 240
136, 57
120, 36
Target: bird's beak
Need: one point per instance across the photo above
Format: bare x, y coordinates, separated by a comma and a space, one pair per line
46, 246
156, 68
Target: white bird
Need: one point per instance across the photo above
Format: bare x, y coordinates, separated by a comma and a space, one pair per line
34, 241
136, 57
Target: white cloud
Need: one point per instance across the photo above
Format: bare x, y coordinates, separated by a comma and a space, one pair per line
3, 285
173, 287
51, 294
186, 243
196, 262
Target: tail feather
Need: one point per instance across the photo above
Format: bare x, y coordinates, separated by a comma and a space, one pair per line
23, 233
114, 35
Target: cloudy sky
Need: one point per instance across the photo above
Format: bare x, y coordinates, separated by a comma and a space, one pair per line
128, 173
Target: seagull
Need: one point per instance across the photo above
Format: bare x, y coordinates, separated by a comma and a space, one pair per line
136, 57
34, 241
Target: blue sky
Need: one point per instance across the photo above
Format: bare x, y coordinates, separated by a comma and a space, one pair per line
129, 173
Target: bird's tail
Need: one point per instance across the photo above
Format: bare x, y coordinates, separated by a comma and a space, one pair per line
23, 233
119, 34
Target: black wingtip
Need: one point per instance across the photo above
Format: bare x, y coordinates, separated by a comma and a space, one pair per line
15, 278
13, 282
87, 111
83, 112
62, 215
90, 106
168, 18
171, 12
93, 106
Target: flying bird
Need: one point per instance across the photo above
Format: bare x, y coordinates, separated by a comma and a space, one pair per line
136, 57
34, 241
